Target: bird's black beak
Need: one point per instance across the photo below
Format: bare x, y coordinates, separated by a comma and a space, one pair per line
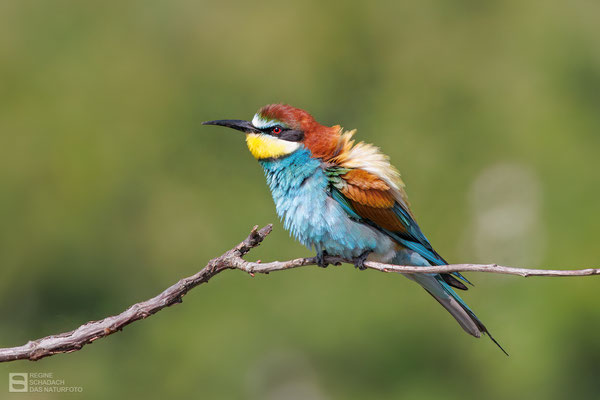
238, 124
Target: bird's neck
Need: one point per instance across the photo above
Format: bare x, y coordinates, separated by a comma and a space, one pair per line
290, 171
295, 179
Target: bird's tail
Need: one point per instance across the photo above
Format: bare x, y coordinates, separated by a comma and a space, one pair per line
437, 287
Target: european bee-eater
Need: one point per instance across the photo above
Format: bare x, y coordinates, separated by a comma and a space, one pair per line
345, 199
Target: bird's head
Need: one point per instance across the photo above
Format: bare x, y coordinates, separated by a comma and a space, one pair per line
278, 130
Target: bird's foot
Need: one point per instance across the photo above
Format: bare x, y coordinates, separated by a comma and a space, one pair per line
359, 262
321, 259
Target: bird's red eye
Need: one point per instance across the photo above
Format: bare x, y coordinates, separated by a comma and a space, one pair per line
276, 130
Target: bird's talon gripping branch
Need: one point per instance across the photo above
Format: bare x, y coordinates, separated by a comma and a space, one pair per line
321, 259
359, 262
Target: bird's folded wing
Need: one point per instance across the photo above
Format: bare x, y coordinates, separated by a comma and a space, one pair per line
369, 199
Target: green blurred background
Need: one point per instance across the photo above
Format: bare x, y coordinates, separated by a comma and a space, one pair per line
111, 190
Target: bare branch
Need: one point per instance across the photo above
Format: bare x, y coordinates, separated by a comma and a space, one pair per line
252, 267
233, 259
87, 333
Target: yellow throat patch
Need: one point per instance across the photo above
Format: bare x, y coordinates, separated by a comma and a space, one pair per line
265, 146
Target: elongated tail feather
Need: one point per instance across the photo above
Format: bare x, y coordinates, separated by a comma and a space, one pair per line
447, 297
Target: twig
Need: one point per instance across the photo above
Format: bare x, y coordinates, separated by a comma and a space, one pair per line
233, 259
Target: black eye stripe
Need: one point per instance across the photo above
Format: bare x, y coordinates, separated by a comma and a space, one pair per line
269, 130
291, 135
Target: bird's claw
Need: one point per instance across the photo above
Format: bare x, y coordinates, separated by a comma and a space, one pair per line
359, 262
321, 259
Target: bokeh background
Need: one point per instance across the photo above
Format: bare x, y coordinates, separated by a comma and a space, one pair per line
111, 190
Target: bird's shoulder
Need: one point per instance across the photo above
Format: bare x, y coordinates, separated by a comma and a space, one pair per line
365, 176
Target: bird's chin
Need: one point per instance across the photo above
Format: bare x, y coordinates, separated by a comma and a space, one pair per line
269, 147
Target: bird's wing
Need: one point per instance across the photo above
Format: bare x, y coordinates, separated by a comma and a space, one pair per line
377, 200
370, 199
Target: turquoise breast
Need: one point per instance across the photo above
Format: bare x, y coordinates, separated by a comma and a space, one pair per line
300, 191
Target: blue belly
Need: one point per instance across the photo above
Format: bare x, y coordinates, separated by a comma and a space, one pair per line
299, 188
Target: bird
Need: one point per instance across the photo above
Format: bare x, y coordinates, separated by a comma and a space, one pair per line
343, 198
